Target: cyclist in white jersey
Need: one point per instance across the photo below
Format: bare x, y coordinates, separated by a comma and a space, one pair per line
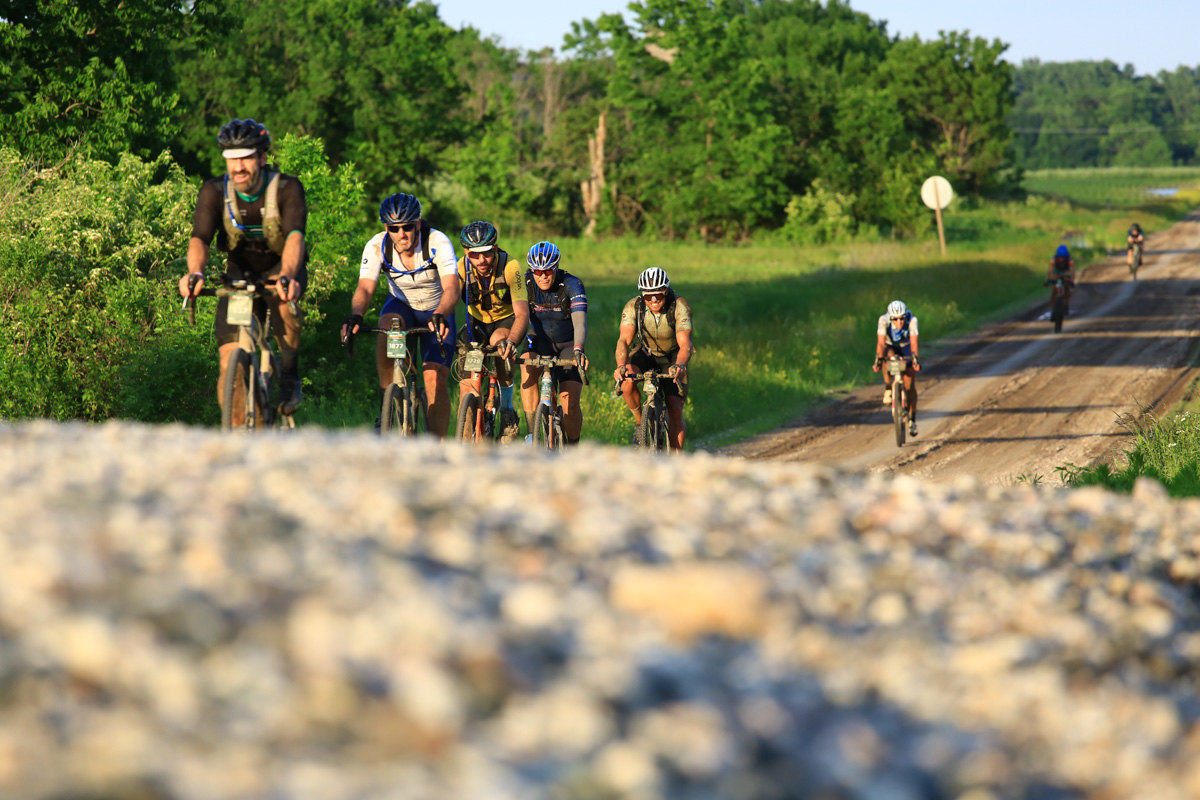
422, 279
896, 333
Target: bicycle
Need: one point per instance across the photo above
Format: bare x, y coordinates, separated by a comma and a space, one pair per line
405, 404
1058, 305
896, 367
252, 366
477, 412
546, 426
1136, 260
653, 432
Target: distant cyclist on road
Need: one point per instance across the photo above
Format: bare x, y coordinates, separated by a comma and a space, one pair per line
497, 308
656, 334
258, 216
896, 334
557, 328
1135, 236
422, 279
1062, 266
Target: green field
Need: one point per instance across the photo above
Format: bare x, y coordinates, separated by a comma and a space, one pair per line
779, 326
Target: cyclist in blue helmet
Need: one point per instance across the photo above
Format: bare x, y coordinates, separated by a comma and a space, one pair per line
422, 278
1062, 266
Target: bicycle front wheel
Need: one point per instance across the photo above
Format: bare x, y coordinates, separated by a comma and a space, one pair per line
468, 415
898, 412
238, 393
418, 413
557, 441
395, 413
540, 427
1060, 310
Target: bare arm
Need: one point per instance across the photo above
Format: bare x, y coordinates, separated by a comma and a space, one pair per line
358, 303
624, 340
197, 260
293, 255
521, 321
880, 346
684, 340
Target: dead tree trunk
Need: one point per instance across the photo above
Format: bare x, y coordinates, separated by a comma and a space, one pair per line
593, 187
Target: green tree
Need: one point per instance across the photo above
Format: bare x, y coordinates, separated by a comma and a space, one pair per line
961, 89
95, 75
376, 80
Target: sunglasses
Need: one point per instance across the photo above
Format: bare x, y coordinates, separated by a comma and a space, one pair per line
897, 317
657, 297
407, 227
541, 273
479, 256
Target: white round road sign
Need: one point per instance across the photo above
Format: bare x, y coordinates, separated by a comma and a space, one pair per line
944, 194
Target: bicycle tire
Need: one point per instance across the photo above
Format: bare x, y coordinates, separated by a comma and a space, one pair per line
239, 372
651, 433
417, 421
468, 409
898, 415
1058, 313
541, 427
394, 412
557, 442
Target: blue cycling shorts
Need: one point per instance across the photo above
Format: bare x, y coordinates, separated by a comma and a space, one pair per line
413, 318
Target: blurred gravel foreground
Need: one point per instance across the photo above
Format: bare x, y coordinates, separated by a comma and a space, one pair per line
328, 616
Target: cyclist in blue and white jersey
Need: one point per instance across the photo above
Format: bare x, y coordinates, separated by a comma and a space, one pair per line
897, 333
422, 278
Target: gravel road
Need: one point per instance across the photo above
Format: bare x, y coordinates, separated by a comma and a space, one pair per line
1016, 399
320, 616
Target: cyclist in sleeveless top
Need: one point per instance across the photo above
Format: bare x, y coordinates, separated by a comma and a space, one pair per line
557, 327
258, 216
422, 280
897, 333
1135, 236
1062, 265
497, 309
661, 323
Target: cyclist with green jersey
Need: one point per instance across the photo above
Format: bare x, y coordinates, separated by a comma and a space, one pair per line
258, 216
656, 334
497, 309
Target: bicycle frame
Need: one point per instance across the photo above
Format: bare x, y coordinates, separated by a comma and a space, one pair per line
480, 361
398, 347
896, 367
655, 427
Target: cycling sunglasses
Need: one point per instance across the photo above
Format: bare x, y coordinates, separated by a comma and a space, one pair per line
655, 296
406, 227
544, 272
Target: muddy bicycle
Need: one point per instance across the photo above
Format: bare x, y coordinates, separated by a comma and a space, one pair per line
1135, 259
653, 432
546, 427
901, 414
250, 395
477, 407
1058, 300
405, 409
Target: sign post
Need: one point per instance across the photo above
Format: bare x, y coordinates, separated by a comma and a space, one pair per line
937, 194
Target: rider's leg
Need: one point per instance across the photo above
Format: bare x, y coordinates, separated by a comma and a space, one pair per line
632, 394
286, 327
676, 426
439, 397
568, 400
504, 374
1067, 297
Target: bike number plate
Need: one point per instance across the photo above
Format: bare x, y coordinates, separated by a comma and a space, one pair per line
897, 367
397, 345
474, 361
240, 310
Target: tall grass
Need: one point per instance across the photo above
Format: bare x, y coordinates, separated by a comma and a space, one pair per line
1166, 448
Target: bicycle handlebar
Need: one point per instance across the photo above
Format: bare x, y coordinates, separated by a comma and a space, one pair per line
348, 341
551, 361
232, 288
642, 377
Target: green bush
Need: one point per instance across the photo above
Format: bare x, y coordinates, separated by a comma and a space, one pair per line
820, 216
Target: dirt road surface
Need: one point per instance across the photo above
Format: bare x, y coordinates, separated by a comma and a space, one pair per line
1016, 400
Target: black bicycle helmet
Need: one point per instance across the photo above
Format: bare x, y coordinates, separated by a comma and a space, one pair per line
399, 209
243, 134
479, 235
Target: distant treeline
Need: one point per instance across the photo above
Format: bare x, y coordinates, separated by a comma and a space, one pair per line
1096, 114
702, 119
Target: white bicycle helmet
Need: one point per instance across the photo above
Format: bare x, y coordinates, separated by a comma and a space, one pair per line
897, 308
653, 279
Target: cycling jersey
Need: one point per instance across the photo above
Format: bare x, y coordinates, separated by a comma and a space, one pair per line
898, 340
253, 254
550, 311
489, 299
1062, 265
420, 288
658, 337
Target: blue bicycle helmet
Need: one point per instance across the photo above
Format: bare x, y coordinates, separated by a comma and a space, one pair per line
1062, 252
543, 255
399, 209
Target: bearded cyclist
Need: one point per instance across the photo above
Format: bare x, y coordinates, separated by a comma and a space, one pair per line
258, 215
557, 328
661, 323
1135, 236
497, 309
422, 280
1061, 266
896, 334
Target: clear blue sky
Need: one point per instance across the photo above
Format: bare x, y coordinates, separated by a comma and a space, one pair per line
1150, 34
